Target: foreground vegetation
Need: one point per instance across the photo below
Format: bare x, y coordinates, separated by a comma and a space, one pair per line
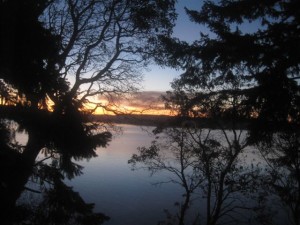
57, 57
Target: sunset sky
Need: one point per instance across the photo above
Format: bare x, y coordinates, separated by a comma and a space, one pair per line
144, 102
157, 80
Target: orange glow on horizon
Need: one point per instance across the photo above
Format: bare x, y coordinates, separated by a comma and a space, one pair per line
130, 110
135, 106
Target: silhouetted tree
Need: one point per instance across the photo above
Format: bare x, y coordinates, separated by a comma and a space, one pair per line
59, 204
105, 45
246, 69
172, 155
30, 67
282, 177
254, 42
29, 52
206, 162
61, 143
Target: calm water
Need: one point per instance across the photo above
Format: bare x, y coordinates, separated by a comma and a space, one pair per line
128, 197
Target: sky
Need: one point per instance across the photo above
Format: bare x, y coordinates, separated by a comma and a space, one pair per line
158, 79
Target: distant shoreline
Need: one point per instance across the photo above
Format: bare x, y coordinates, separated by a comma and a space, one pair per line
144, 120
21, 113
163, 121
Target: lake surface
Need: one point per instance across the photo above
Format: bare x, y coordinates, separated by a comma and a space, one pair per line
128, 197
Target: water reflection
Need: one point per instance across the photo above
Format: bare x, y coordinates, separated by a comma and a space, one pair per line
127, 197
231, 189
60, 141
38, 191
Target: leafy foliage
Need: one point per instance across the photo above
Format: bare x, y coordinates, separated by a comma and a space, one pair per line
29, 52
252, 50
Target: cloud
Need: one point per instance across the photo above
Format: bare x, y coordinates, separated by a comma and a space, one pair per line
146, 99
147, 102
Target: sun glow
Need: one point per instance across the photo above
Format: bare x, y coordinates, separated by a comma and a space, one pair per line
108, 109
142, 103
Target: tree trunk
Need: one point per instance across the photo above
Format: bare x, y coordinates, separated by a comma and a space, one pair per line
184, 208
16, 176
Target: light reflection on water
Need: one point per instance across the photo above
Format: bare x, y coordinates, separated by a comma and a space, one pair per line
128, 197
